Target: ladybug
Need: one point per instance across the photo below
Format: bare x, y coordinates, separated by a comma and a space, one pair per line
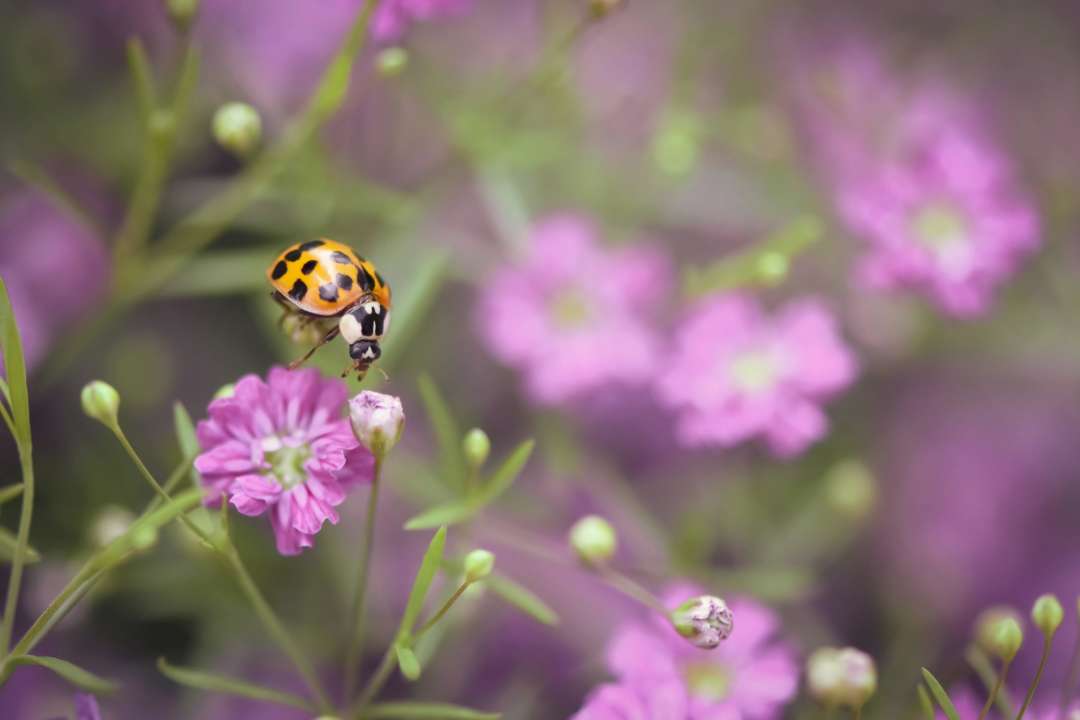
318, 280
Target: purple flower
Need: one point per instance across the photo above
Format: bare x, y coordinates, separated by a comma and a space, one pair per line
750, 676
86, 707
47, 295
943, 217
393, 17
736, 373
283, 447
574, 316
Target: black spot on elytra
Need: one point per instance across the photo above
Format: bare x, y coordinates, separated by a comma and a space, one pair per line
341, 258
343, 281
328, 292
294, 255
299, 290
280, 269
366, 281
309, 266
311, 244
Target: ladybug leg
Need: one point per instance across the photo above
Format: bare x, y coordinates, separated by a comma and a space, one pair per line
326, 338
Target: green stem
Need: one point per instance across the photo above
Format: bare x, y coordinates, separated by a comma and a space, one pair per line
630, 588
359, 604
980, 663
382, 674
60, 606
1048, 639
274, 626
442, 611
1069, 687
22, 540
996, 689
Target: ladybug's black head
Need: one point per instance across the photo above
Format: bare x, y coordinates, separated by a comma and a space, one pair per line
365, 351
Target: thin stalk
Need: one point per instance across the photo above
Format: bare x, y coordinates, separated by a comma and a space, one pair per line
980, 663
996, 689
1047, 640
1069, 687
630, 588
75, 590
857, 713
375, 684
276, 629
22, 540
442, 611
359, 604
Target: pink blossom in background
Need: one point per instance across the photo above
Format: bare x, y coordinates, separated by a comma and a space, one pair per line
86, 707
282, 447
393, 17
751, 676
575, 316
736, 373
945, 217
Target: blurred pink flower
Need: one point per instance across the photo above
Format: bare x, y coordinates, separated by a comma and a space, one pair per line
283, 447
86, 707
943, 216
393, 17
54, 266
736, 373
575, 316
750, 676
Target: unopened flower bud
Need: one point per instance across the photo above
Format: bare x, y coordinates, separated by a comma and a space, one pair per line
841, 676
392, 61
988, 623
477, 446
478, 565
182, 12
602, 8
101, 402
593, 539
705, 621
377, 421
1007, 640
850, 489
237, 128
1047, 614
112, 522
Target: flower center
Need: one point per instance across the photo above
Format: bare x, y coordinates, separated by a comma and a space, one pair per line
940, 227
707, 681
287, 463
754, 371
569, 309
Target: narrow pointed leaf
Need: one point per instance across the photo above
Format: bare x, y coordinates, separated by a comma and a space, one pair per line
508, 472
428, 567
10, 492
925, 703
450, 513
426, 711
523, 599
407, 662
447, 431
7, 548
82, 679
216, 682
186, 438
940, 695
14, 367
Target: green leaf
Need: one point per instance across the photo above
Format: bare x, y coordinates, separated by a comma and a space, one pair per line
504, 477
406, 660
925, 703
216, 682
447, 431
186, 438
428, 567
10, 492
523, 599
14, 368
450, 513
7, 548
223, 272
409, 710
942, 697
71, 672
142, 78
411, 307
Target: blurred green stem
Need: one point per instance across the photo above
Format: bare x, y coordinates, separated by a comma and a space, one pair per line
26, 463
356, 619
1047, 641
630, 588
441, 611
996, 689
375, 684
1069, 687
982, 666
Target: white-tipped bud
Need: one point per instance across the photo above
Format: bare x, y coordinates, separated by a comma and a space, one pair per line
237, 128
705, 621
392, 61
1047, 614
478, 565
476, 446
101, 402
112, 522
377, 421
841, 676
593, 539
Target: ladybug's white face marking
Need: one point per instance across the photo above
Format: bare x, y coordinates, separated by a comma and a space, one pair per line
350, 328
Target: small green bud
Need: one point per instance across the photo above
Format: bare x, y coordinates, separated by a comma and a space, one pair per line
987, 625
772, 267
593, 539
603, 8
392, 61
478, 565
477, 446
1047, 614
225, 391
1008, 639
237, 128
841, 676
101, 402
182, 12
705, 621
850, 489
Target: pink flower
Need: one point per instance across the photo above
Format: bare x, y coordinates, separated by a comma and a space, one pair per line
735, 373
393, 17
574, 316
943, 216
750, 676
86, 707
282, 447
